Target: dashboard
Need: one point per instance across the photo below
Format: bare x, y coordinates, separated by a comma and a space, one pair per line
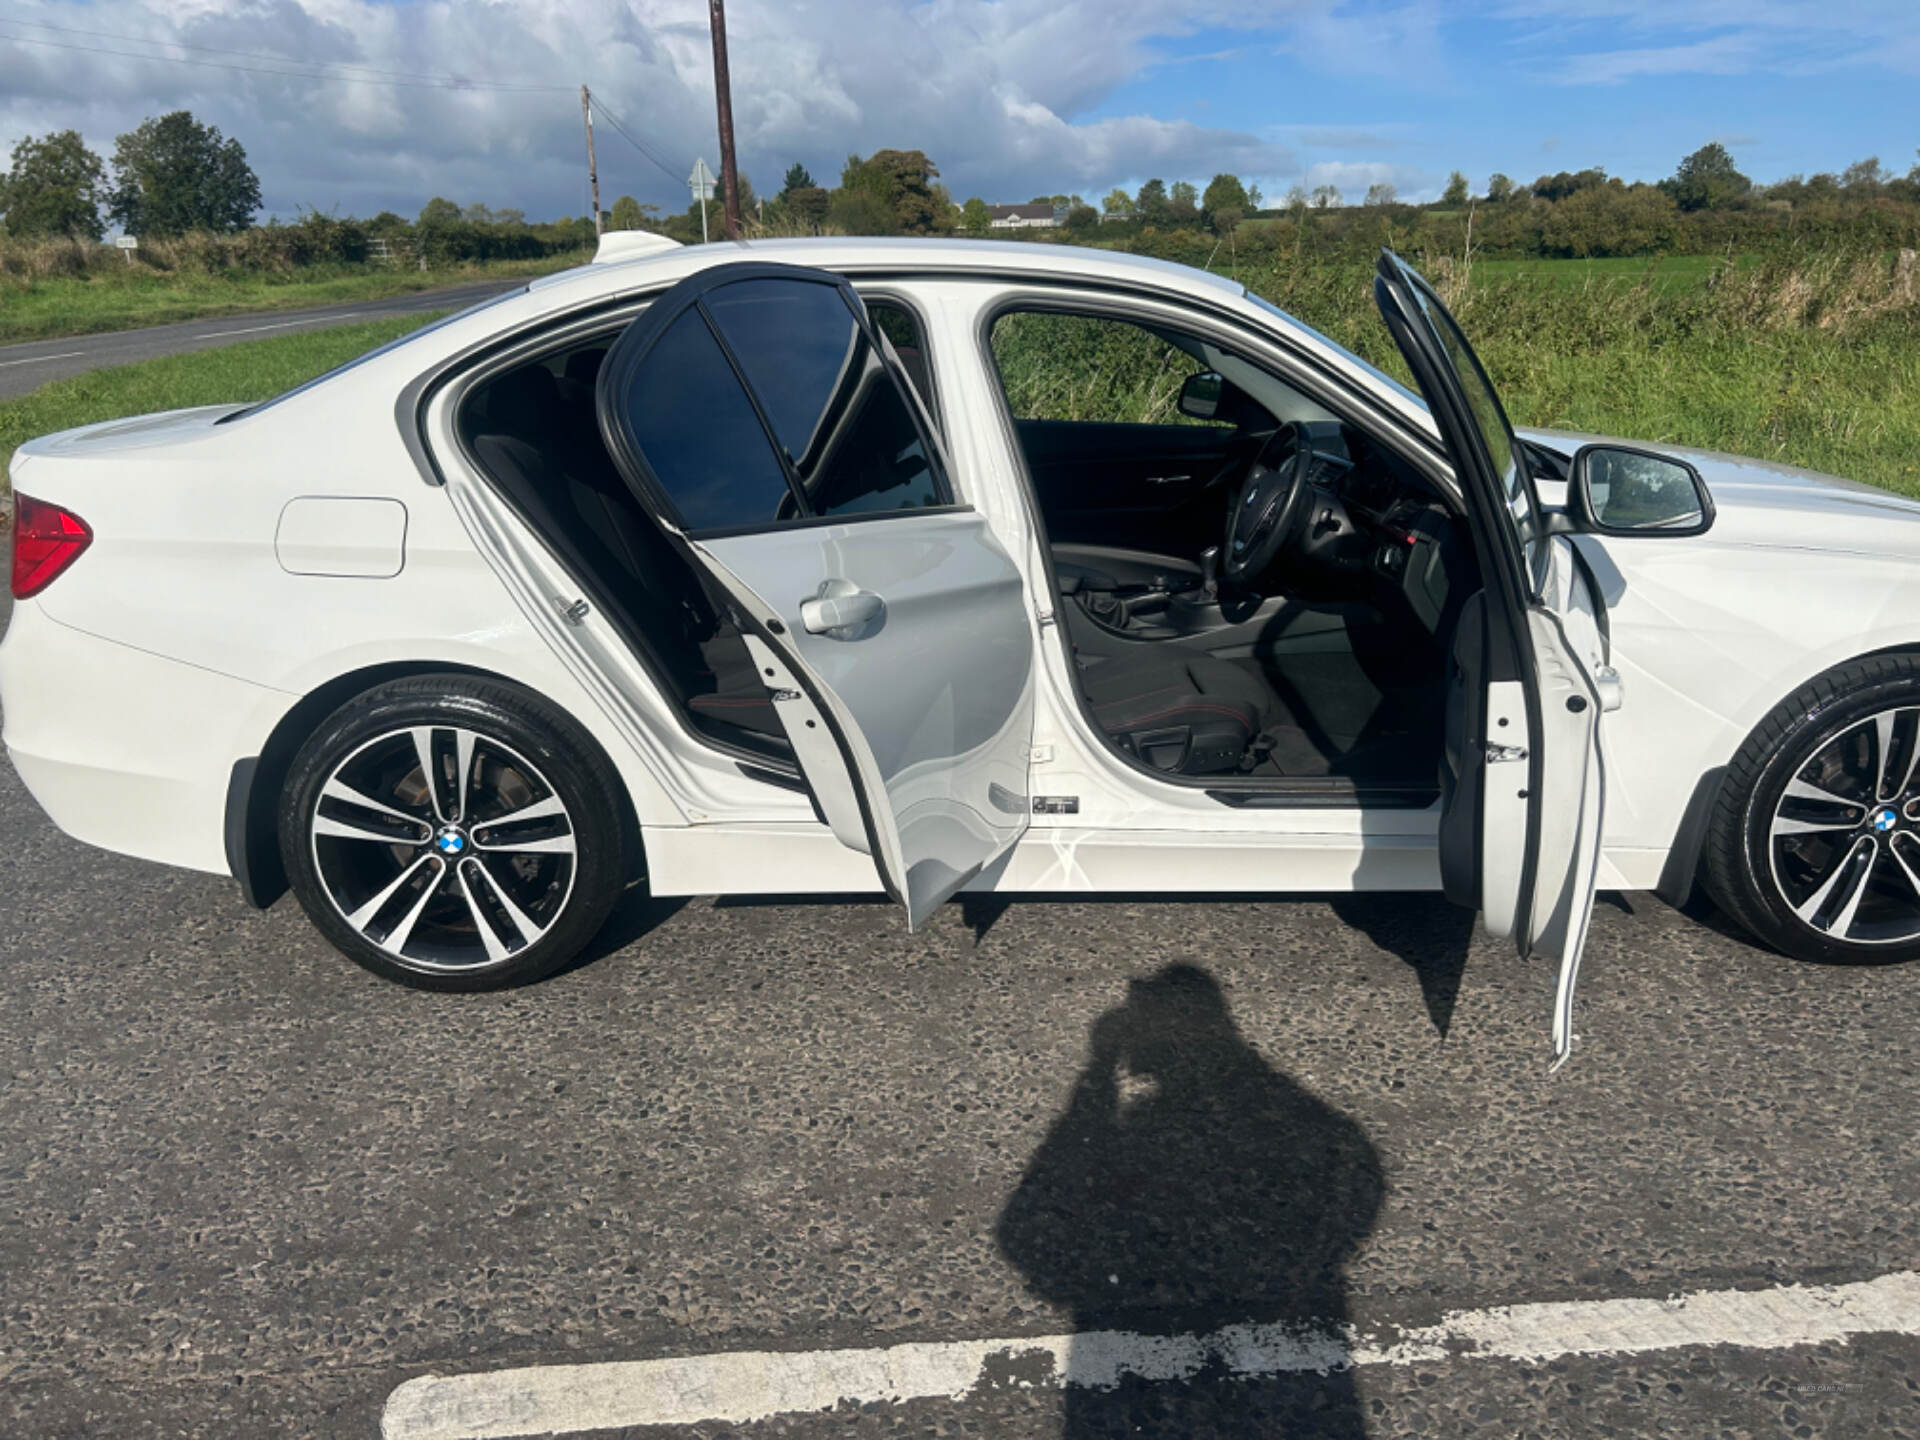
1377, 515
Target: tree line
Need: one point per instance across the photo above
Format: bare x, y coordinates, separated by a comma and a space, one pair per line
1706, 205
172, 175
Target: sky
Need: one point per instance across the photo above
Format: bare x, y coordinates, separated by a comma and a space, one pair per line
355, 106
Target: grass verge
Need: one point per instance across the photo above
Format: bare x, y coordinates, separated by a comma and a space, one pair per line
68, 305
1812, 364
251, 370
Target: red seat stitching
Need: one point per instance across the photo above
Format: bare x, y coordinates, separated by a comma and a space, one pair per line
1239, 715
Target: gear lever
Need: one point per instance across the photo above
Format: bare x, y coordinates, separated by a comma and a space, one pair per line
1210, 572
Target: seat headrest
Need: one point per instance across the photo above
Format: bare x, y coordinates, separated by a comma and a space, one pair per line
583, 366
522, 402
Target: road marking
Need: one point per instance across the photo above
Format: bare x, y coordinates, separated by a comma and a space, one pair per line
284, 324
36, 359
758, 1384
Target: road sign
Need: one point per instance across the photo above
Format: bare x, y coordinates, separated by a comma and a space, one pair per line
127, 242
700, 182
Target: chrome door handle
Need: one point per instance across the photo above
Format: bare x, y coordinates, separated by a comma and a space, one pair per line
1613, 690
1169, 479
841, 610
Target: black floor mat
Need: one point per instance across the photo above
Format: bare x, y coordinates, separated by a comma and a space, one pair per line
1330, 717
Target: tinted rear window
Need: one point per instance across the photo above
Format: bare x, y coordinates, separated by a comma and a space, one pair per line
698, 431
839, 417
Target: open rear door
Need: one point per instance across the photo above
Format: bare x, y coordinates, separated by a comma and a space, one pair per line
1522, 778
758, 413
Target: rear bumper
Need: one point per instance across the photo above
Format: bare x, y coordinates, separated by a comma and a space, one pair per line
124, 749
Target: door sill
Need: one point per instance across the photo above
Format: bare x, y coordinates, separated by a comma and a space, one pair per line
1333, 793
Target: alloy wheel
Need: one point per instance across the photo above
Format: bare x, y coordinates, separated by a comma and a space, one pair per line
1844, 841
444, 848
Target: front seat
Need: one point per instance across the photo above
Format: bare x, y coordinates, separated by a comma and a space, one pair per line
1177, 710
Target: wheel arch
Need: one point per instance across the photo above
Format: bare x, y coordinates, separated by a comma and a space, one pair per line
257, 783
1681, 871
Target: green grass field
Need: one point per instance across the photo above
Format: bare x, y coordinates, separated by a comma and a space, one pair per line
1814, 362
69, 305
1666, 272
254, 370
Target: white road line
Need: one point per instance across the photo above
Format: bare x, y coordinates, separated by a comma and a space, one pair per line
757, 1384
284, 324
36, 359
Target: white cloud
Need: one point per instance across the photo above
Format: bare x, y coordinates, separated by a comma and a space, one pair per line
1716, 37
1353, 178
1723, 55
999, 92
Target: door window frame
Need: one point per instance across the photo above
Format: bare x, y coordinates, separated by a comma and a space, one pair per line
1259, 346
607, 317
632, 460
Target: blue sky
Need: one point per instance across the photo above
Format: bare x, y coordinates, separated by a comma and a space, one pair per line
376, 104
1409, 92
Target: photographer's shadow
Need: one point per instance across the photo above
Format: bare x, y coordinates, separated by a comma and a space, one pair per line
1188, 1187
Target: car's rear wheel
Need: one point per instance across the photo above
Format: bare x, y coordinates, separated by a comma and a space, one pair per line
453, 833
1815, 841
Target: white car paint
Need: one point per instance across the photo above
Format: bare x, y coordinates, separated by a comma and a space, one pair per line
183, 612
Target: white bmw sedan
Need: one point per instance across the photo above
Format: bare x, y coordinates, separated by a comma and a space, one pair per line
918, 567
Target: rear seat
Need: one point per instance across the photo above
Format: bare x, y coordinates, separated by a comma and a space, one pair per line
538, 438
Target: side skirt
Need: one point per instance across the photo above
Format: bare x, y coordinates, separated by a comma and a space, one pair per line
808, 860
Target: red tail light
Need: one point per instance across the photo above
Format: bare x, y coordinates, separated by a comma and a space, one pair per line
46, 540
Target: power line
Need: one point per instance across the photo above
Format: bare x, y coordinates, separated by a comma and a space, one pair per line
449, 83
615, 121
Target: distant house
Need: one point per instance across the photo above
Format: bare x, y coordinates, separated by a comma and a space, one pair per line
1023, 217
1115, 217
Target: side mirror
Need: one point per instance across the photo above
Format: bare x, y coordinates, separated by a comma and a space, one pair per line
1614, 490
1200, 396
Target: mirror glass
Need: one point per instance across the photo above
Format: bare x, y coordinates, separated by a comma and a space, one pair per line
1629, 490
1200, 396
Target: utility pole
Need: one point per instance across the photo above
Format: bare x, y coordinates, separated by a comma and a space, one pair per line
593, 172
723, 100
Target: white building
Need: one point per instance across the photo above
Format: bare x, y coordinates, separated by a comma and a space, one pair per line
1023, 217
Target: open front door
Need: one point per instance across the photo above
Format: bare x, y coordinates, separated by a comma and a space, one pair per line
757, 412
1522, 777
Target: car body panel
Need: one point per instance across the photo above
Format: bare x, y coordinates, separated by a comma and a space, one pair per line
889, 627
932, 703
1707, 634
1533, 595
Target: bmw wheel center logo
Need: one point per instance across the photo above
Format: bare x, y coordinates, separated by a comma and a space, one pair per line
1884, 819
450, 841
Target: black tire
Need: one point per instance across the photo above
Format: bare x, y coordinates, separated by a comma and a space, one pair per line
541, 885
1825, 735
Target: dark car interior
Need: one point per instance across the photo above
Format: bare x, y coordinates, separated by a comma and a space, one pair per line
1305, 644
1265, 595
533, 430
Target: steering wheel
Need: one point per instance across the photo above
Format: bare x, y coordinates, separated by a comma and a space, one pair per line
1272, 503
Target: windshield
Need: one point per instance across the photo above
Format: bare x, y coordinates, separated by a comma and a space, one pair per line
1374, 372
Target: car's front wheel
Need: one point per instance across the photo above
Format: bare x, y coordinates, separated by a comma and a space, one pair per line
1815, 841
453, 833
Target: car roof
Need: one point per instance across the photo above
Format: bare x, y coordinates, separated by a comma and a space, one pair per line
866, 253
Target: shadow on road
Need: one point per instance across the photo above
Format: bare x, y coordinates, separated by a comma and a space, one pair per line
1427, 932
1189, 1186
638, 914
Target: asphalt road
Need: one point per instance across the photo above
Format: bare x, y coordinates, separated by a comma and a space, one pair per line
247, 1189
31, 365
